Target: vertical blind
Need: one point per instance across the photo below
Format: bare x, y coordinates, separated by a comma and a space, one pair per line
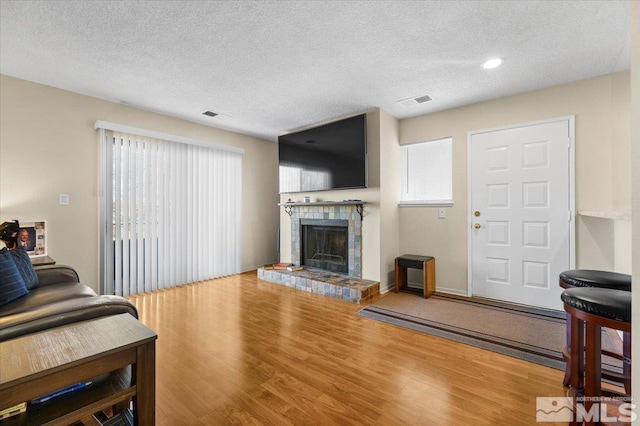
172, 212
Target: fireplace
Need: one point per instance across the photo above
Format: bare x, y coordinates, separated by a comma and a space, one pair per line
333, 215
326, 235
325, 244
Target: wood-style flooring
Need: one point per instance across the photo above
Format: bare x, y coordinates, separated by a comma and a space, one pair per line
238, 350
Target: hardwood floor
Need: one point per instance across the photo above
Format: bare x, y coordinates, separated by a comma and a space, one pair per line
239, 350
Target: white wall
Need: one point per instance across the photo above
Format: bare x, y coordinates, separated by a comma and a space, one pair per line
603, 169
48, 146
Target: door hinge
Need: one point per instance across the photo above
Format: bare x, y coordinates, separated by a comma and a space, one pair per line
568, 143
570, 215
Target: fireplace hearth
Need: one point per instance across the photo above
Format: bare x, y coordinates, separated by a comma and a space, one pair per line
336, 242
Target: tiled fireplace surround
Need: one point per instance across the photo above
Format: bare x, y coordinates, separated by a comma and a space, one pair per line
349, 287
347, 213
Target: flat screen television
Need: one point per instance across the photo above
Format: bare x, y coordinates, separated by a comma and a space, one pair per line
330, 156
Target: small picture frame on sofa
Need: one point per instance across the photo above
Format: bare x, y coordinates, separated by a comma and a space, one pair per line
33, 237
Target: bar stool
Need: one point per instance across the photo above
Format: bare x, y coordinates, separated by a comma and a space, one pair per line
590, 310
602, 279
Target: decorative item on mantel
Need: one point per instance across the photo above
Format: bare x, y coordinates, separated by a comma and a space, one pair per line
359, 205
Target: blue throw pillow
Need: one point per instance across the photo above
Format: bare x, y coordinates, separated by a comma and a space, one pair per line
25, 267
11, 282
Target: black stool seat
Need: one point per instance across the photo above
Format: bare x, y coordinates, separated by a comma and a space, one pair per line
595, 278
603, 302
413, 261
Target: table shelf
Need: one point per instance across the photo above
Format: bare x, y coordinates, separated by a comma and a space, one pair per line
105, 392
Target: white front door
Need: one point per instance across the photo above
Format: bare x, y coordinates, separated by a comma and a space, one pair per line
520, 208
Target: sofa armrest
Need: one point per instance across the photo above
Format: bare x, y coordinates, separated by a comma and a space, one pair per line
55, 274
62, 313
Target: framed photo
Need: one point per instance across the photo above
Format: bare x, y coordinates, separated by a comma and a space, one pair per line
33, 237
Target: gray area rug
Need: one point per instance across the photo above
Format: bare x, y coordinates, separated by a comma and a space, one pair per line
532, 334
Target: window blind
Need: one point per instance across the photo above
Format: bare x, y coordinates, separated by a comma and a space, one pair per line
172, 212
426, 173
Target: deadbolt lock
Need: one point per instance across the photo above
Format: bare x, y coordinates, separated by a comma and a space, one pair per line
477, 213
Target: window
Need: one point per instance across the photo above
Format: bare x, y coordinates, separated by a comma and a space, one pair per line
426, 173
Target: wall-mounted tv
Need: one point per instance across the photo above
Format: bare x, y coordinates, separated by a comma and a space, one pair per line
330, 156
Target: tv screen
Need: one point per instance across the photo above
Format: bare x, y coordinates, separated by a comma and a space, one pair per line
331, 156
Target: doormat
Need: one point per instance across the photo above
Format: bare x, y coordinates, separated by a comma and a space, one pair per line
532, 334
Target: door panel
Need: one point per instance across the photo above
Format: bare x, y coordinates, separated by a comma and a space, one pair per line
521, 239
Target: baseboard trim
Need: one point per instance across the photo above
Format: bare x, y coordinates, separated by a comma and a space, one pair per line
451, 291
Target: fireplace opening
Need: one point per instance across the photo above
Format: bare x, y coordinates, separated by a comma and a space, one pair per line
325, 245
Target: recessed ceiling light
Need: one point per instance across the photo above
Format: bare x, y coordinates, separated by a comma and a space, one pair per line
492, 63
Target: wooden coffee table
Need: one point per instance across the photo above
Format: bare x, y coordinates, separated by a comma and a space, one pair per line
40, 363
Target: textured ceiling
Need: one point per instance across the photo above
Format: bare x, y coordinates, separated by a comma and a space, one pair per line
274, 66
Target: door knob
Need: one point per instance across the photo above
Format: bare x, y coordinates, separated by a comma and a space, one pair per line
477, 226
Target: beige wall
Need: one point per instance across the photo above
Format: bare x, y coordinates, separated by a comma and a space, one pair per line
389, 197
603, 169
48, 146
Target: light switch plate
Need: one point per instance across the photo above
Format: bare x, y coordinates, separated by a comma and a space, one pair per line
63, 199
442, 213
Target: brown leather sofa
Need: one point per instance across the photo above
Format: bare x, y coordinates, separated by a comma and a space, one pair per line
58, 299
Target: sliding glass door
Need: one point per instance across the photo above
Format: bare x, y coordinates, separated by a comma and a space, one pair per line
172, 212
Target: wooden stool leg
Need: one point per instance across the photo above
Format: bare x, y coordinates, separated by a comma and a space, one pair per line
577, 355
593, 373
626, 362
429, 270
400, 277
567, 370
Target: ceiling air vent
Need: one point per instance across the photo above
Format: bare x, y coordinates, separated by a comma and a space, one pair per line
416, 100
210, 113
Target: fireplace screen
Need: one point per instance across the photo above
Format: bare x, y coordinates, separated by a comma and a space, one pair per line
325, 245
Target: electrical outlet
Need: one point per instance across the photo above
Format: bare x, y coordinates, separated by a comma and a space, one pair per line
442, 213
